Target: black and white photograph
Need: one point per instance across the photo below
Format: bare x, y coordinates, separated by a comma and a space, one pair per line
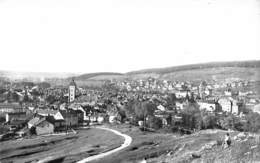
129, 81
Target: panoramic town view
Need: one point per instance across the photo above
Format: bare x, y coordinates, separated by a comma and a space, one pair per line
129, 81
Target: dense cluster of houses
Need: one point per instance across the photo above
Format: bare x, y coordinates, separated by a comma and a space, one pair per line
152, 84
45, 121
232, 90
85, 106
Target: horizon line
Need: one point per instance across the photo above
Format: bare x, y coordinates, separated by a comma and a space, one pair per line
144, 69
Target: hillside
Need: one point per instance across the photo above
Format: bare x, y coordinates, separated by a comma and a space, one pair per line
202, 146
217, 73
97, 76
241, 64
248, 70
33, 76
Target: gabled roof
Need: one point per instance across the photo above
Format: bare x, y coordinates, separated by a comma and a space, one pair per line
40, 121
69, 113
17, 121
160, 107
17, 113
46, 112
34, 120
52, 119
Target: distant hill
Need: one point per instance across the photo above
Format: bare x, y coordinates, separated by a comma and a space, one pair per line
206, 71
195, 72
97, 76
91, 79
244, 64
33, 76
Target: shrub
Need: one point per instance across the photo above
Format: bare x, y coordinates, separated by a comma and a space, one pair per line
209, 121
154, 122
191, 117
228, 122
252, 122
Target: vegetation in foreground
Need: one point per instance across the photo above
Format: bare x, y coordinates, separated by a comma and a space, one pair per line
202, 146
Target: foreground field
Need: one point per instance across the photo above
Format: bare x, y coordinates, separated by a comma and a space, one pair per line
66, 148
204, 146
157, 147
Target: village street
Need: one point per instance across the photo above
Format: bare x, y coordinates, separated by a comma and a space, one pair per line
126, 143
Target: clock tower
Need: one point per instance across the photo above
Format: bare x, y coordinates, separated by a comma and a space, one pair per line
72, 91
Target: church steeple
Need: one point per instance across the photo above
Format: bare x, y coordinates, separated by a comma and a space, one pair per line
72, 90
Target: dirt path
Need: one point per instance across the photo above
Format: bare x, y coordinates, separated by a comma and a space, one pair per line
127, 142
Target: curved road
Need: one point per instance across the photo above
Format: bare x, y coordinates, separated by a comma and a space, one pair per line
127, 142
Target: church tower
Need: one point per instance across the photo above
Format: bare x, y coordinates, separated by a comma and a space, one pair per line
72, 91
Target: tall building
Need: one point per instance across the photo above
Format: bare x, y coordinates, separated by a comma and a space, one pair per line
201, 89
72, 91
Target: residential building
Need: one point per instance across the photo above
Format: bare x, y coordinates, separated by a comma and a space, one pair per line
43, 127
10, 108
210, 107
15, 116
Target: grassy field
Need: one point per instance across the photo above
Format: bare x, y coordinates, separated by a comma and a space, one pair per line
156, 146
159, 147
66, 148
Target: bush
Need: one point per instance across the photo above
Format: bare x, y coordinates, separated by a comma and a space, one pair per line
175, 129
252, 122
228, 122
2, 119
191, 116
209, 121
3, 130
220, 142
154, 122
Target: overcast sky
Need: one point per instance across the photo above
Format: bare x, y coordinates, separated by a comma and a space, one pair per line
125, 35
